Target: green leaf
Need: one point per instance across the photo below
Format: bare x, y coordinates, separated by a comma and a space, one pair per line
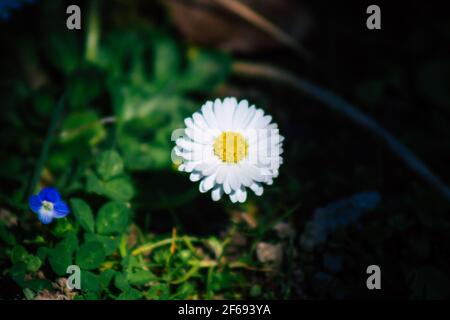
39, 284
160, 291
90, 282
18, 254
112, 218
166, 59
17, 273
63, 227
84, 127
63, 50
206, 70
91, 296
83, 214
33, 263
6, 236
29, 294
43, 252
140, 277
109, 164
130, 294
185, 290
255, 291
60, 256
119, 189
106, 277
121, 283
94, 184
90, 255
109, 243
137, 155
84, 85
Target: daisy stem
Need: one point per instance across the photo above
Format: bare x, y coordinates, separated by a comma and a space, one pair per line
55, 119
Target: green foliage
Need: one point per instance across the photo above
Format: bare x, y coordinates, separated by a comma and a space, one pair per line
90, 255
61, 256
82, 127
109, 164
113, 217
122, 102
83, 214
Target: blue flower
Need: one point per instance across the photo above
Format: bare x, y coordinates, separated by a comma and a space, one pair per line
48, 205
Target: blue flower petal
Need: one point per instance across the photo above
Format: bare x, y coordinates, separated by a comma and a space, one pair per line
60, 209
35, 203
50, 194
45, 218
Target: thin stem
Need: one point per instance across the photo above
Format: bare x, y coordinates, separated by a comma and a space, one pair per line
55, 119
334, 102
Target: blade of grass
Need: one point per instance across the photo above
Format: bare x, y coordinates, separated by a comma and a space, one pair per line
55, 119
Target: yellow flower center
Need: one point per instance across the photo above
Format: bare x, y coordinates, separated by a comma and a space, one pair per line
231, 147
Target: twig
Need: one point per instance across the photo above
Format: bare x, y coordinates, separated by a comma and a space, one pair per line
333, 102
264, 24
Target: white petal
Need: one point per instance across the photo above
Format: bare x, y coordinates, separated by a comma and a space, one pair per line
217, 193
257, 188
209, 116
195, 176
249, 117
233, 197
233, 179
219, 112
207, 184
190, 123
241, 195
209, 170
253, 171
262, 123
243, 176
185, 143
200, 136
229, 106
221, 174
256, 119
190, 165
226, 186
240, 114
199, 121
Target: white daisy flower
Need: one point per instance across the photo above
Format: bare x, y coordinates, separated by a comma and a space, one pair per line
230, 146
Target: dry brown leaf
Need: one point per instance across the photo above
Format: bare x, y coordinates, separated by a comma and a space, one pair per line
203, 22
271, 254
